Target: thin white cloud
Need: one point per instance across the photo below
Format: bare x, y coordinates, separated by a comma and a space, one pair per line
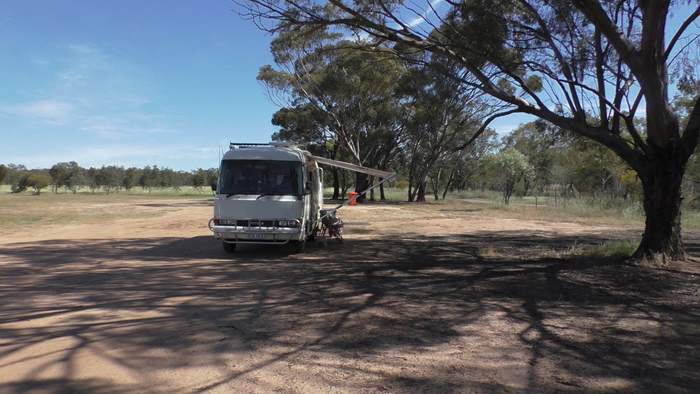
117, 154
70, 78
50, 111
115, 127
505, 129
419, 20
95, 92
40, 61
5, 21
83, 49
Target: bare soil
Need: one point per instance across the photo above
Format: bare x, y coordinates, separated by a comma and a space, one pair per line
419, 298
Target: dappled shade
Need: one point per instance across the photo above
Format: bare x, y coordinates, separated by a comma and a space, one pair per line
420, 313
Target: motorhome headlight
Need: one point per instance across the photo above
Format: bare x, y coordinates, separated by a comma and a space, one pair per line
226, 222
288, 223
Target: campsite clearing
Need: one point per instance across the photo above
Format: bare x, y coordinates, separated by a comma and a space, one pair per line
135, 295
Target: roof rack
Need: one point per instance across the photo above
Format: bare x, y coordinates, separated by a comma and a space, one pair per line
275, 144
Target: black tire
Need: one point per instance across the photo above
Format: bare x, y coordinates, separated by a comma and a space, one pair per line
229, 247
312, 236
298, 246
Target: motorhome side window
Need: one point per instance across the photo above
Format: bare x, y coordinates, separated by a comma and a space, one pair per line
260, 177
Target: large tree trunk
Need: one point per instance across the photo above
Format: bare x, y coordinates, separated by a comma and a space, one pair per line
336, 184
449, 183
420, 195
361, 184
662, 239
336, 178
436, 184
382, 197
344, 185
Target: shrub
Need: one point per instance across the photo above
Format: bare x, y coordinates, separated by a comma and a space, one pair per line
401, 184
3, 173
37, 181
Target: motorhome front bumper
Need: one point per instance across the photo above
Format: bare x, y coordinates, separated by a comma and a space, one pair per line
256, 234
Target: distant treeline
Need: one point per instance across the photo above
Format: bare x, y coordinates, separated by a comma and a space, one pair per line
71, 177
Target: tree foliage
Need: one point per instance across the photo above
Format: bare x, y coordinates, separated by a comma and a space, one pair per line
586, 66
509, 168
330, 91
441, 115
67, 175
70, 176
35, 180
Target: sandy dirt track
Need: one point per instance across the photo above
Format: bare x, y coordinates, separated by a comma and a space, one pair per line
427, 298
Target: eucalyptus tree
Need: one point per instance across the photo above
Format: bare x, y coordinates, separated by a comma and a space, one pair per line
541, 142
131, 177
307, 126
348, 93
109, 178
510, 167
442, 114
464, 166
35, 180
66, 174
58, 174
589, 66
149, 178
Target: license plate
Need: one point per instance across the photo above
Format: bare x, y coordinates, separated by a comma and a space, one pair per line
257, 236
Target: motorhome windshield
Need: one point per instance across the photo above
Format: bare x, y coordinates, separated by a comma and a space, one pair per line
260, 177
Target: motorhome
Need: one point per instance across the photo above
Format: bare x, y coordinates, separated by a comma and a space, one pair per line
272, 194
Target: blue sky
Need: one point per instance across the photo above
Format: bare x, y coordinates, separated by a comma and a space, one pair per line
132, 82
128, 82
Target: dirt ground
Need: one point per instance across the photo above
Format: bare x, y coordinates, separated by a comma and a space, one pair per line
420, 298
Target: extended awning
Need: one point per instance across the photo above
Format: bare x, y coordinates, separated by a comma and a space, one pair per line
353, 167
385, 176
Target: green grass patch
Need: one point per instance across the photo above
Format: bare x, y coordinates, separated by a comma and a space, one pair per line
27, 208
617, 249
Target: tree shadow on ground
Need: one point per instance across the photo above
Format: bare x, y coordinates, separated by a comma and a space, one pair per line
365, 313
64, 386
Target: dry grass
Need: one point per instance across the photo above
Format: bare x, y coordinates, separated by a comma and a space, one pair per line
185, 191
23, 210
586, 210
406, 304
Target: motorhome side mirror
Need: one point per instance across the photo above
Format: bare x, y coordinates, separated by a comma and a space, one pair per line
213, 187
308, 187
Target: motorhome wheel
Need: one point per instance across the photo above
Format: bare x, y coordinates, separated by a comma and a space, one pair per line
298, 246
229, 247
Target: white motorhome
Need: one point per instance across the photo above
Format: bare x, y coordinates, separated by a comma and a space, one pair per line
271, 194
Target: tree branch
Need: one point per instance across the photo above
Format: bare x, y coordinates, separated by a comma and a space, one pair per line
600, 77
692, 130
623, 45
680, 32
484, 126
